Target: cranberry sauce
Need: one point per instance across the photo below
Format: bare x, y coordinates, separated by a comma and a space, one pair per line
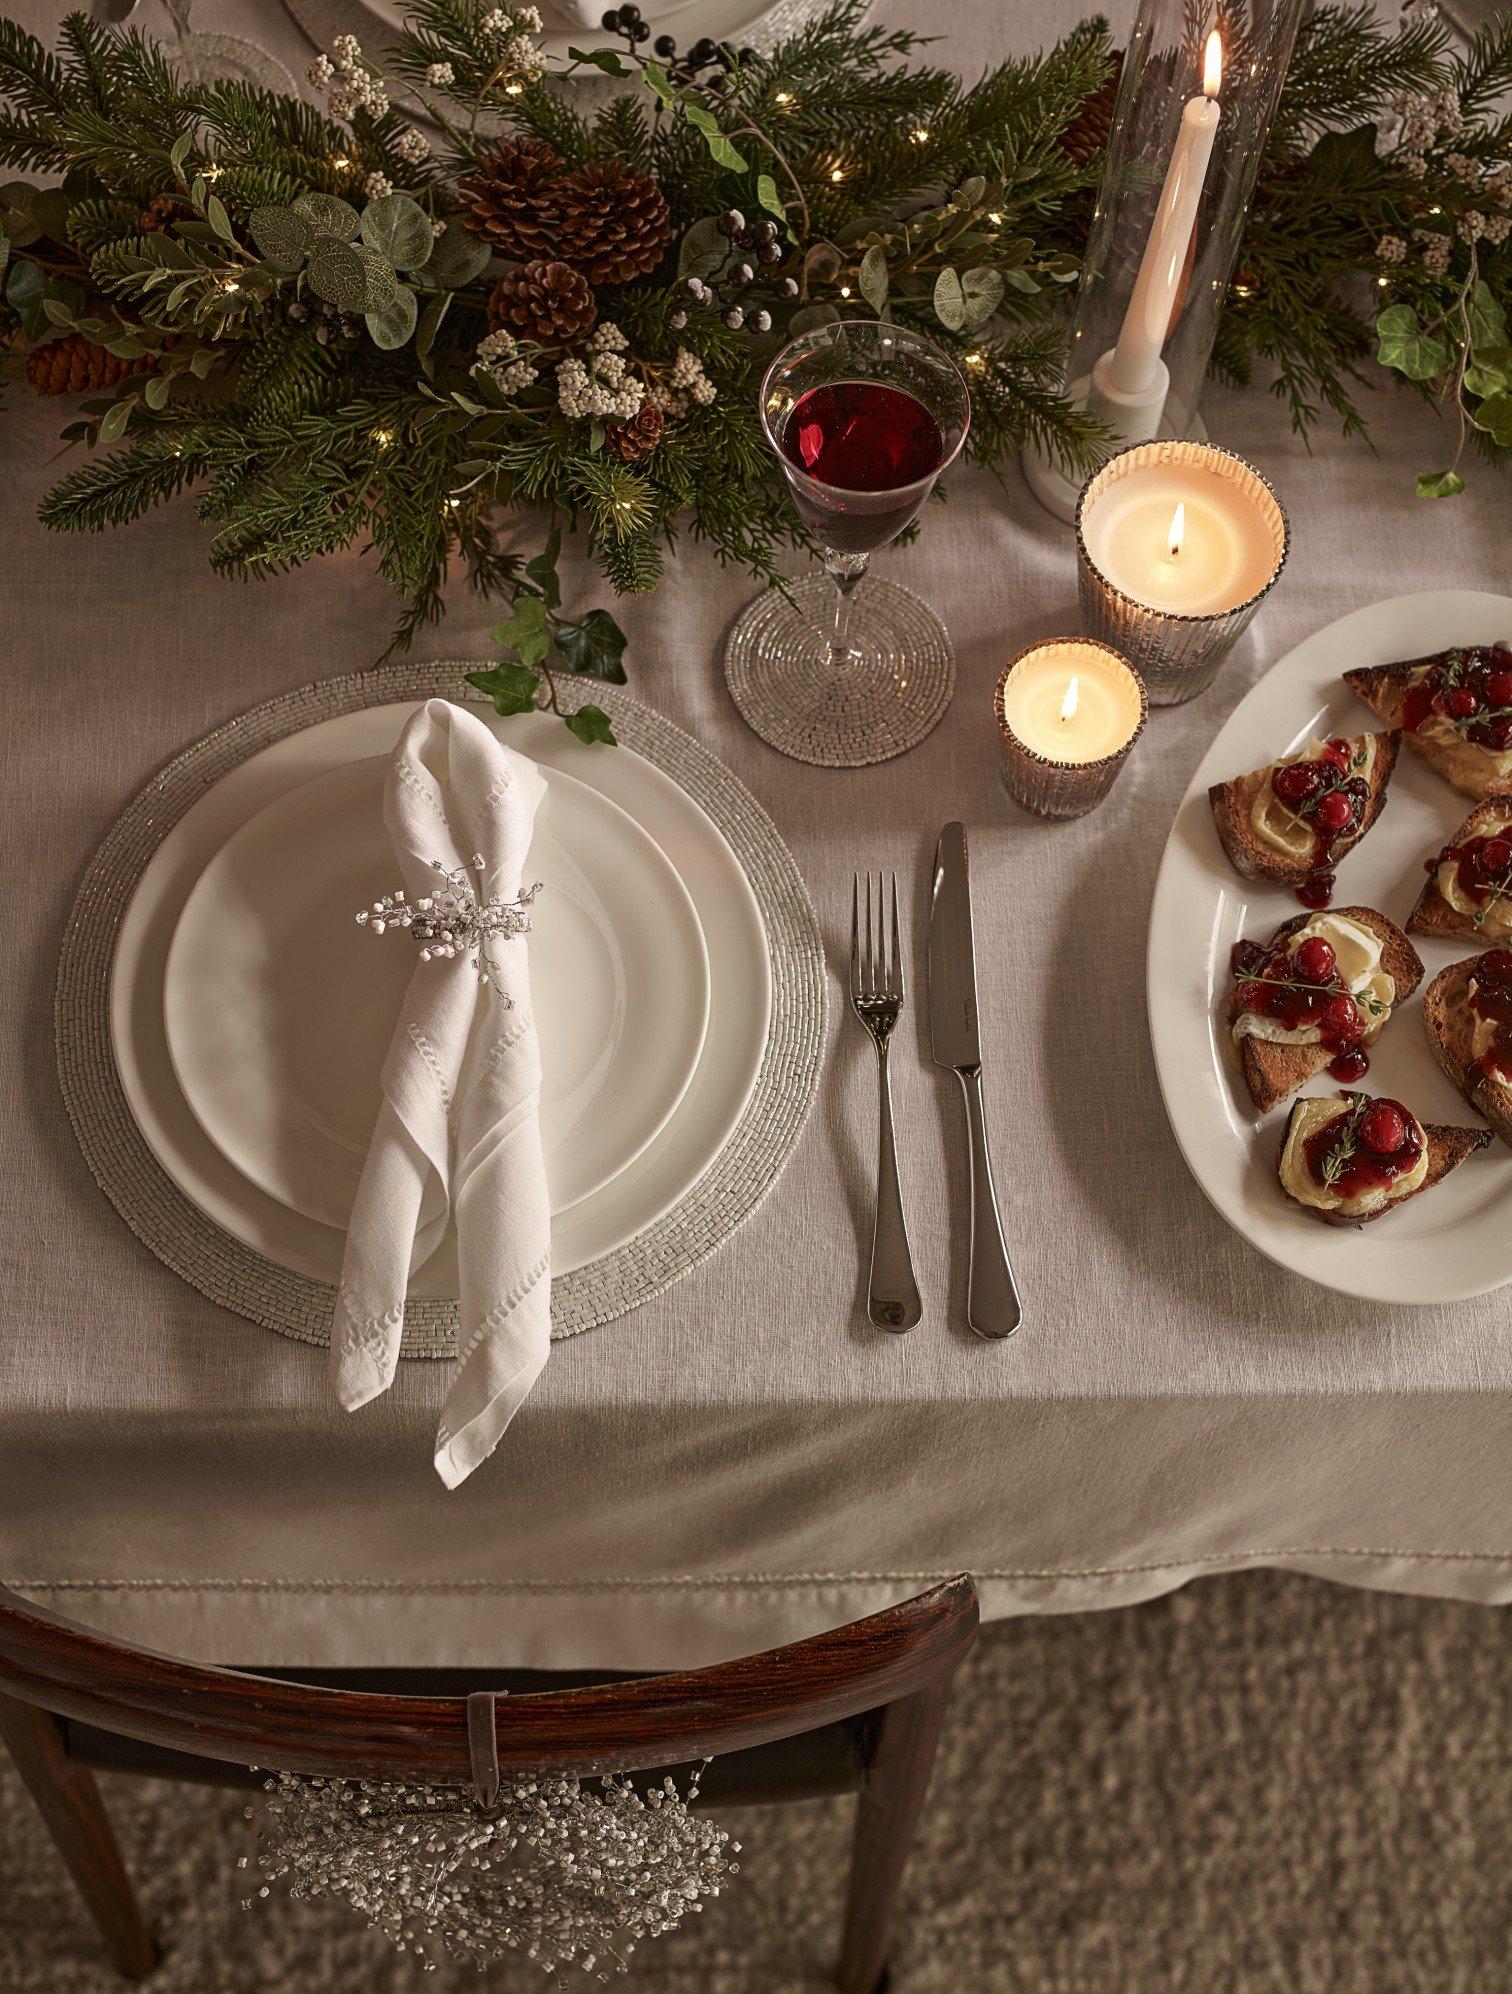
1302, 986
861, 437
1329, 795
1471, 688
1365, 1150
1491, 998
1485, 867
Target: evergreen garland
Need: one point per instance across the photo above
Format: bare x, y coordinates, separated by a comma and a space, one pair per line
310, 288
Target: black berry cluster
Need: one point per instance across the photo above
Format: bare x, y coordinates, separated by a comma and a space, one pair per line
703, 55
626, 21
753, 246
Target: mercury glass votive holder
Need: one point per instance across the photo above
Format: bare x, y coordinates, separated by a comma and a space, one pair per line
1177, 545
1066, 779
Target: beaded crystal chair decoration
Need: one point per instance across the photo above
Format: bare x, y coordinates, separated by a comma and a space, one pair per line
457, 919
567, 1872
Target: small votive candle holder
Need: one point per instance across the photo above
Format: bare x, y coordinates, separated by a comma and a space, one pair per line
1177, 545
1068, 712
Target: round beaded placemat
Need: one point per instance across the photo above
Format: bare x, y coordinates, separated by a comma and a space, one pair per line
296, 1305
780, 676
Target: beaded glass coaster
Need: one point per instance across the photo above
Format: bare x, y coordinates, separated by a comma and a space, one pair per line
778, 669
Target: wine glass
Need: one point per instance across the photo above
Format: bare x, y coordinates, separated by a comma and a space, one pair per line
863, 417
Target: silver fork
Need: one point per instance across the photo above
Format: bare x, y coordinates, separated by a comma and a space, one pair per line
876, 994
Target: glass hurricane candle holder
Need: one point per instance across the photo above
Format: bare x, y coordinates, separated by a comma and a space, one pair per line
1068, 712
1177, 544
1197, 93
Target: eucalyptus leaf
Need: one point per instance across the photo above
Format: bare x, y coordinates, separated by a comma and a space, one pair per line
1023, 283
982, 293
391, 320
822, 263
156, 392
1402, 344
872, 277
201, 361
49, 212
971, 191
768, 197
430, 324
949, 300
282, 237
703, 249
456, 258
25, 287
337, 274
399, 229
114, 421
328, 214
220, 221
658, 82
1439, 484
812, 317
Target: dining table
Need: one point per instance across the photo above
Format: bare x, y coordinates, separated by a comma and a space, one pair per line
744, 1459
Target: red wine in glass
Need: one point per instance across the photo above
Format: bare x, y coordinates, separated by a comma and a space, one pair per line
869, 453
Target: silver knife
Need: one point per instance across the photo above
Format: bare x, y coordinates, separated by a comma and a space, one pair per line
993, 1308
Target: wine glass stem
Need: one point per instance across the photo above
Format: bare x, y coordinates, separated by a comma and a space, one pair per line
844, 570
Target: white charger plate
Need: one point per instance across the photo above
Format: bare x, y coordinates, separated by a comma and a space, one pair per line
279, 1007
1455, 1240
740, 987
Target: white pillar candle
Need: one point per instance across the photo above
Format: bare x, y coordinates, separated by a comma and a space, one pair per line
1071, 702
1181, 538
1136, 358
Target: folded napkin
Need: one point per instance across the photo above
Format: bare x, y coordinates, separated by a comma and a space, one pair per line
460, 1113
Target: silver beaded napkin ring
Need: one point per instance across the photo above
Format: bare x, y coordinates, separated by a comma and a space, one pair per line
457, 919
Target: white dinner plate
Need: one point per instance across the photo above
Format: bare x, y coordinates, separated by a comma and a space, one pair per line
279, 1008
1455, 1240
739, 975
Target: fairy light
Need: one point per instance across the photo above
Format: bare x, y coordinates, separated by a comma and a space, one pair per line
513, 89
837, 173
976, 358
229, 284
845, 290
996, 220
341, 163
783, 99
921, 135
383, 438
211, 173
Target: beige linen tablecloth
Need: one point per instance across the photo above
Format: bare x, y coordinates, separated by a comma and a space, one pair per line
743, 1460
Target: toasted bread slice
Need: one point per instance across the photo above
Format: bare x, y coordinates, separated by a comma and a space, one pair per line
1251, 855
1433, 915
1271, 1072
1449, 1028
1448, 1146
1470, 768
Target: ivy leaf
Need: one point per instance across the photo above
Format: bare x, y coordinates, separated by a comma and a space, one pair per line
330, 216
768, 197
949, 300
1404, 345
512, 688
456, 258
25, 286
282, 237
982, 293
542, 569
703, 249
720, 149
1342, 156
601, 58
391, 320
1495, 416
594, 647
872, 277
1488, 322
525, 633
399, 229
1439, 484
658, 82
590, 724
49, 211
338, 274
1490, 371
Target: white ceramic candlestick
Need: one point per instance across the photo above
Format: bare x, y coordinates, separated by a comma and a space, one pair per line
1068, 712
1176, 544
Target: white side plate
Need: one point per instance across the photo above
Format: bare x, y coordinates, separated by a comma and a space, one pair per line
279, 1008
1455, 1240
739, 969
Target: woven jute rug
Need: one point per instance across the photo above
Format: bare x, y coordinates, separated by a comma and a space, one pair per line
1262, 1782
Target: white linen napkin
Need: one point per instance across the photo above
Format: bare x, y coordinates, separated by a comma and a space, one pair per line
460, 1112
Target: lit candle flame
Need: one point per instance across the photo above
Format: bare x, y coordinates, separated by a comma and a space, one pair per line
1071, 699
1178, 529
1212, 65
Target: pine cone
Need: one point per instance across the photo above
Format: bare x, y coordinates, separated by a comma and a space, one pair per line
161, 212
508, 201
637, 438
550, 302
613, 222
1087, 133
71, 365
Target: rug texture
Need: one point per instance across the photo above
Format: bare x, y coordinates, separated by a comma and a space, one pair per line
1262, 1782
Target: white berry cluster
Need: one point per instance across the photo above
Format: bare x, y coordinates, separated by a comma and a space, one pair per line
602, 384
1419, 122
412, 146
686, 381
439, 74
352, 83
499, 358
377, 186
509, 38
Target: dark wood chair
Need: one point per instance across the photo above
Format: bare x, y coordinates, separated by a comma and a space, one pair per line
855, 1710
